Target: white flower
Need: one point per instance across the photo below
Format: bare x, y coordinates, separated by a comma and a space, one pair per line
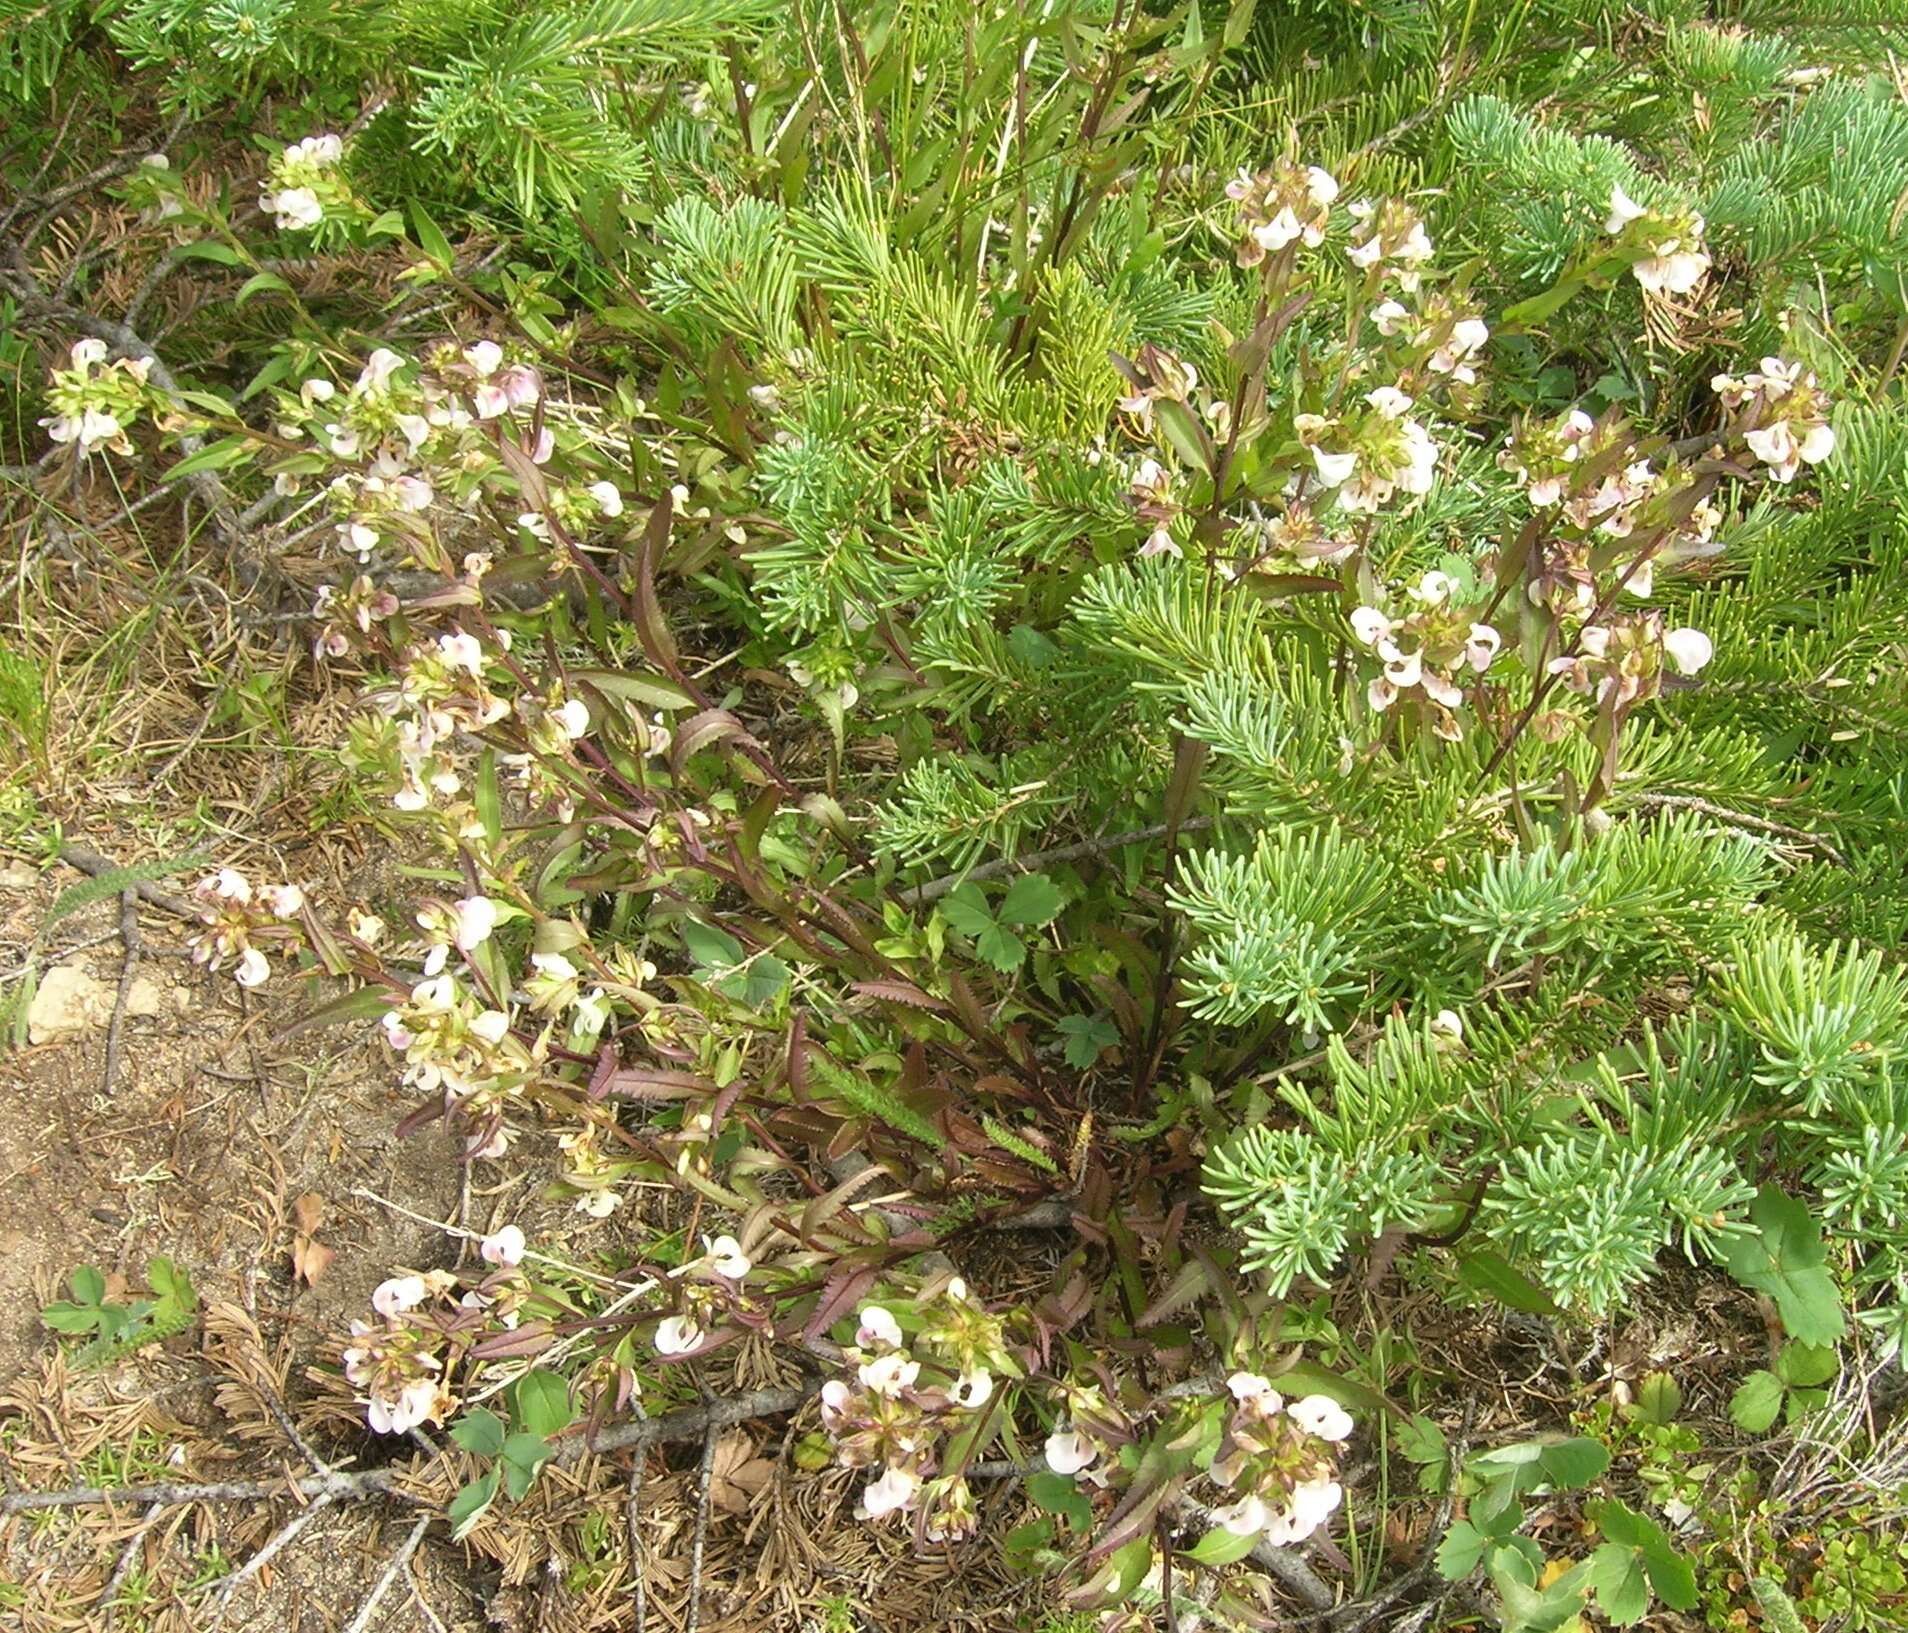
608, 497
726, 1257
834, 1402
1688, 649
1818, 444
476, 918
413, 493
973, 1389
1251, 1386
295, 208
894, 1491
416, 1401
1321, 184
503, 1247
87, 352
1245, 1518
485, 356
400, 1293
489, 401
1314, 1502
1322, 1416
491, 1027
97, 426
230, 885
878, 1327
323, 150
1069, 1452
1448, 1024
1334, 469
677, 1335
377, 372
1623, 210
461, 651
1433, 588
1482, 646
1672, 270
889, 1374
1389, 401
1369, 624
598, 1204
1390, 316
254, 969
573, 717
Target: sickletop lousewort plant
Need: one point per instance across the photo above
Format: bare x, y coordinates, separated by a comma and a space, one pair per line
1269, 485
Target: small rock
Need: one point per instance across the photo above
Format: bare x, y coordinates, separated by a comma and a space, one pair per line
70, 1003
19, 876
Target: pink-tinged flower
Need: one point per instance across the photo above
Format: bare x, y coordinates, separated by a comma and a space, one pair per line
462, 651
677, 1335
543, 447
1482, 647
1688, 650
1069, 1452
522, 385
378, 369
1322, 1416
489, 402
254, 969
284, 901
1160, 542
835, 1400
889, 1374
416, 1403
894, 1492
1250, 1386
412, 493
878, 1327
1245, 1518
228, 884
400, 1293
503, 1247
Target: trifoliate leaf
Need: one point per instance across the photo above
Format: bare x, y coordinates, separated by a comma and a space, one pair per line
1087, 1036
1031, 900
1785, 1258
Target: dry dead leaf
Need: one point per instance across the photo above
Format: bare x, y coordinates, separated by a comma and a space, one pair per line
310, 1257
737, 1476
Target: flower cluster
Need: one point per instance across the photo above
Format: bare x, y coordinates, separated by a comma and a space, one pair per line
911, 1389
1287, 203
1787, 424
1276, 1461
1295, 540
1156, 376
1389, 242
1539, 453
1620, 661
1665, 252
93, 405
234, 916
1429, 648
441, 691
1151, 496
1369, 454
1443, 333
1088, 1445
398, 1361
710, 1281
305, 185
453, 1043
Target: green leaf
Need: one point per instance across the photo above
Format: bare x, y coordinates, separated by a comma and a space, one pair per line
1496, 1277
430, 237
1458, 1554
479, 1431
1757, 1402
470, 1502
1659, 1398
1087, 1037
966, 909
1785, 1259
715, 949
1806, 1365
209, 249
1061, 1494
1222, 1547
214, 456
1031, 900
71, 1318
88, 1284
171, 1283
261, 283
522, 1455
1616, 1577
1422, 1442
541, 1403
1001, 948
758, 984
1130, 1565
1571, 1464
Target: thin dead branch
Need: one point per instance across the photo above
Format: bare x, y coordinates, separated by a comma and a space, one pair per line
379, 1588
115, 1030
